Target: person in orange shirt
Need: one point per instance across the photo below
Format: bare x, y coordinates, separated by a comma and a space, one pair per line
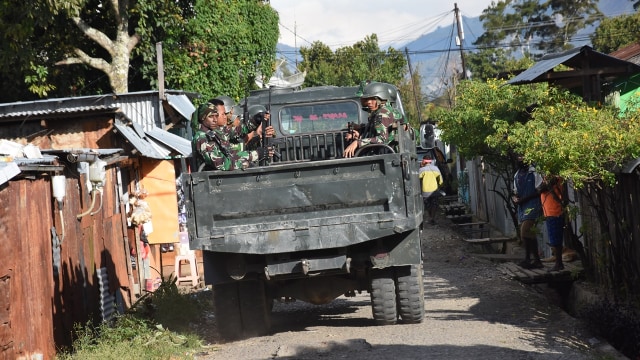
551, 198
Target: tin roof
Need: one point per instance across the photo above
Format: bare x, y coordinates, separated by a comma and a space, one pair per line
156, 143
629, 53
140, 113
583, 58
142, 107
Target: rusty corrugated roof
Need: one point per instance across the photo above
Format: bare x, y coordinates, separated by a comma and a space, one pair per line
142, 107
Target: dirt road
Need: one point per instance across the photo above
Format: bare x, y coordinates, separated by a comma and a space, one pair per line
472, 312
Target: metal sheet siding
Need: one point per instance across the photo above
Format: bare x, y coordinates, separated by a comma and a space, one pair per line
145, 148
539, 68
142, 109
181, 145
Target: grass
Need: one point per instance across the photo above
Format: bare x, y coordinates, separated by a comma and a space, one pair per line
156, 327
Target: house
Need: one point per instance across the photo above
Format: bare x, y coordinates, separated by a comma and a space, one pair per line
74, 176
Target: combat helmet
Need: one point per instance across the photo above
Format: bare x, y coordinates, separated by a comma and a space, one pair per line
237, 113
224, 100
393, 93
376, 90
256, 115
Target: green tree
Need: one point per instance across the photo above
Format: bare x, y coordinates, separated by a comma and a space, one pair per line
493, 63
350, 65
583, 143
616, 32
538, 26
223, 48
409, 96
112, 33
99, 41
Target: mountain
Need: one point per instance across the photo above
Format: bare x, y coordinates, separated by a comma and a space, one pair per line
434, 54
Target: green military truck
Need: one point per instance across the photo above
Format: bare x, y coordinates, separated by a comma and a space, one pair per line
311, 225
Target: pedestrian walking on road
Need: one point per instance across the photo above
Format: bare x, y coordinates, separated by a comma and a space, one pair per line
431, 179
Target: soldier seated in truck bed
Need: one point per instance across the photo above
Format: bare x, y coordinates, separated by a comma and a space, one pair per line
381, 119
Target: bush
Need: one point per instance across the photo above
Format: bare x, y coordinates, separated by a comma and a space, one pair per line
156, 327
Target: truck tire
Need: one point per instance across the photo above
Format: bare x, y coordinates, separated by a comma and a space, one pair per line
383, 297
241, 309
226, 308
410, 293
255, 309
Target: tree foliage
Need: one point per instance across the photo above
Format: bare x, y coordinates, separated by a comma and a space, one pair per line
350, 65
536, 27
224, 47
206, 44
551, 127
494, 63
616, 32
409, 96
364, 60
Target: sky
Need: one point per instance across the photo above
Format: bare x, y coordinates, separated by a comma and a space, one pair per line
339, 23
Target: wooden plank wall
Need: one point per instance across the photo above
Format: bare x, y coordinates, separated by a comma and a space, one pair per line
613, 252
26, 265
39, 305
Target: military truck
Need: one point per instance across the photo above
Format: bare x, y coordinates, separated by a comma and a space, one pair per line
311, 225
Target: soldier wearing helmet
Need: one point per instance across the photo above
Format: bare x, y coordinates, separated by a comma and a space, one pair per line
212, 145
226, 104
257, 114
374, 98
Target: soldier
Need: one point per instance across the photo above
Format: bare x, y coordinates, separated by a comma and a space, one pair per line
226, 103
376, 131
212, 145
257, 113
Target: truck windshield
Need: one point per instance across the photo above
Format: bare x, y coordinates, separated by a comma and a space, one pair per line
318, 117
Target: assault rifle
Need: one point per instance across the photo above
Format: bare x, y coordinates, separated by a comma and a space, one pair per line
268, 141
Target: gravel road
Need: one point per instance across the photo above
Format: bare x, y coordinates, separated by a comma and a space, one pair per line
472, 312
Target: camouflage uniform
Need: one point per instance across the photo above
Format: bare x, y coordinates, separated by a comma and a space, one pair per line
376, 131
213, 147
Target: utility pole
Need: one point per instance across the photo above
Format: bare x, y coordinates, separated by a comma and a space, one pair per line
460, 38
413, 85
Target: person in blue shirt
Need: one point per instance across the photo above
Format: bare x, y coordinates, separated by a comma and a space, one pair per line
527, 199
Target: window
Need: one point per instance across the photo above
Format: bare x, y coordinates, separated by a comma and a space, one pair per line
318, 117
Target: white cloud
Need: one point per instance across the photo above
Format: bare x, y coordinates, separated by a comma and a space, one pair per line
339, 23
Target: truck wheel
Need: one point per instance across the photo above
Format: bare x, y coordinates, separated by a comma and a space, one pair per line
226, 308
383, 297
410, 293
255, 308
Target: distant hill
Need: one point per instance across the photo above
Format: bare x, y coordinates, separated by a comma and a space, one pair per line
430, 53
